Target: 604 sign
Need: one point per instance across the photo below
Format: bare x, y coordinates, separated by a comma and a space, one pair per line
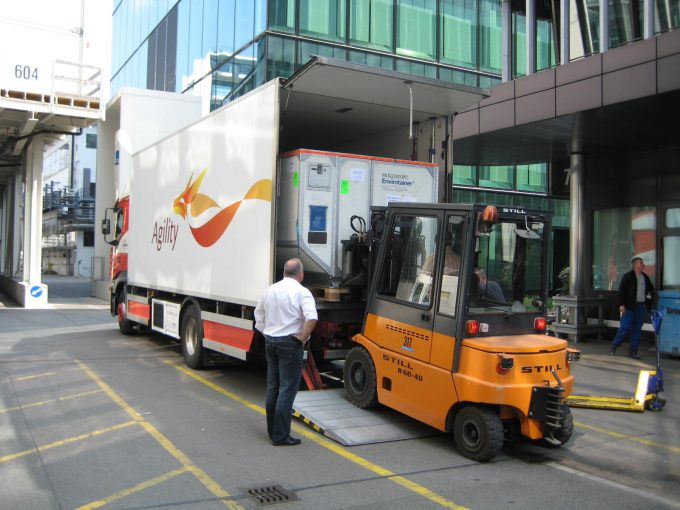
25, 72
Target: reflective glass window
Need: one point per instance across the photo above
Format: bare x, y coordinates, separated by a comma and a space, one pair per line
465, 175
225, 27
417, 68
210, 17
371, 23
671, 269
672, 217
308, 49
260, 17
280, 57
282, 15
519, 44
245, 22
371, 59
416, 28
490, 35
500, 177
532, 177
195, 54
545, 49
459, 32
618, 236
182, 52
324, 19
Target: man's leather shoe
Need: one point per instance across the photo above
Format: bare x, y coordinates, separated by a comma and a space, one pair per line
289, 441
634, 355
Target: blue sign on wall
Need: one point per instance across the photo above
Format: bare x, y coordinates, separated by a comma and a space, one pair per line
36, 291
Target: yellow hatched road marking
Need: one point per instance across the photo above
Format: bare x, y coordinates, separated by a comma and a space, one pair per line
67, 441
640, 440
201, 475
51, 401
132, 490
333, 447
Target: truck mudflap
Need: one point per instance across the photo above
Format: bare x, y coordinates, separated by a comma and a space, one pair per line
546, 405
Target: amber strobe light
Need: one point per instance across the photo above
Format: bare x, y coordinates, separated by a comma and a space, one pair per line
472, 327
540, 323
490, 214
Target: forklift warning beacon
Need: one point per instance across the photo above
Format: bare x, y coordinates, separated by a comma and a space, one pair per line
437, 309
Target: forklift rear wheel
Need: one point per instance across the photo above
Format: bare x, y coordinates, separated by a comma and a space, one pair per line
478, 433
124, 324
359, 376
192, 338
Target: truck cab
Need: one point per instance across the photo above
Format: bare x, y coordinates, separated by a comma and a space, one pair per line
454, 331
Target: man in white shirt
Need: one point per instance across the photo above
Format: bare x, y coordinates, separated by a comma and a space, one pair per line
286, 316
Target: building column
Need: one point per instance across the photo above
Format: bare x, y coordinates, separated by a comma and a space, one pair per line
35, 294
564, 31
604, 26
578, 273
17, 224
506, 23
531, 36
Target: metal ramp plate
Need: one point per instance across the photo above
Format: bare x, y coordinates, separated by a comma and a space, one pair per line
330, 413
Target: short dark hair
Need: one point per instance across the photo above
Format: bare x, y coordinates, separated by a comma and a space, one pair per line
635, 259
292, 267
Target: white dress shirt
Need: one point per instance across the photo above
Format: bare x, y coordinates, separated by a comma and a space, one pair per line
284, 308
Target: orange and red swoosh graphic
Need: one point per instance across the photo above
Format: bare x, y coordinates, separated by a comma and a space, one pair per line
191, 204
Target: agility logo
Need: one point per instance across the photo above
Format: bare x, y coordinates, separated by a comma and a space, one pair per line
207, 220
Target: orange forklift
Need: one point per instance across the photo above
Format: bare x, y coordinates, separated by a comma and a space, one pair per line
454, 333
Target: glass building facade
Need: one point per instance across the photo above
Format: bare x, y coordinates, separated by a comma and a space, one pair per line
231, 46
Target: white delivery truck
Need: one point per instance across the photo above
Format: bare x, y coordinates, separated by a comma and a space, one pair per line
213, 212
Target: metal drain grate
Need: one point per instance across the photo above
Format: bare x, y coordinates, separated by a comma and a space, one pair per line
271, 494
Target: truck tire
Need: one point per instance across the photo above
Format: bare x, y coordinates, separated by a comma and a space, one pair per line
359, 378
192, 338
561, 435
125, 325
478, 433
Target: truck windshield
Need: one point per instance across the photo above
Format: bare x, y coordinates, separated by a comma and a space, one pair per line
508, 271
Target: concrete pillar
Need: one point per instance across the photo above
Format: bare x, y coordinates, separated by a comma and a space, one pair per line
564, 31
35, 294
604, 26
578, 273
648, 19
531, 36
17, 223
506, 23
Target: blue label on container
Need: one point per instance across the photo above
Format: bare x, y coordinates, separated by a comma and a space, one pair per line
317, 218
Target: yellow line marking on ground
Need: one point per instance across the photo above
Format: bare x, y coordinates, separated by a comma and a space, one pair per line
51, 401
201, 475
132, 490
69, 440
333, 447
37, 376
640, 440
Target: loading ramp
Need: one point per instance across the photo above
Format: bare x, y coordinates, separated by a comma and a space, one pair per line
331, 414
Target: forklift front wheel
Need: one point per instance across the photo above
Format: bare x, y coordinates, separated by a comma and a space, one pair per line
360, 381
478, 433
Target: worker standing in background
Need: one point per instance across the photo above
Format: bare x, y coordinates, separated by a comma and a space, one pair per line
286, 316
636, 295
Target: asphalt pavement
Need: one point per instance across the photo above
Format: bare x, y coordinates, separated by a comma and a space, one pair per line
90, 418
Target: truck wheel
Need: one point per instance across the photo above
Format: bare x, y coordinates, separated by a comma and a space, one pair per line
124, 324
561, 435
192, 338
359, 378
478, 433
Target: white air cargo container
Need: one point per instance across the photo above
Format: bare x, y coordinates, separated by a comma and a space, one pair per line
319, 194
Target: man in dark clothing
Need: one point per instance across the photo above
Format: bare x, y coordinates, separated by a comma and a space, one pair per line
636, 294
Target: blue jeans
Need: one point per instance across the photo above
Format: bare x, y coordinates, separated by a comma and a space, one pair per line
284, 369
631, 322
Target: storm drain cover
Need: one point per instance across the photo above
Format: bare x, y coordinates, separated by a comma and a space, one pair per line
271, 494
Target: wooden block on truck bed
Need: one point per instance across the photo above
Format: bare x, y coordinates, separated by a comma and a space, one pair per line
329, 293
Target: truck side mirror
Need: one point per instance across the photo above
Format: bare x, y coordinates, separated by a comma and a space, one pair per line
106, 227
